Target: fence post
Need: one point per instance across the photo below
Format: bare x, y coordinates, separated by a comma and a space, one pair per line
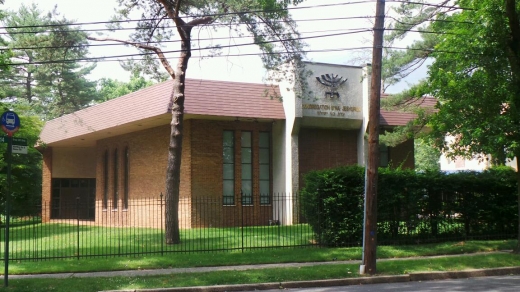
242, 221
77, 226
162, 227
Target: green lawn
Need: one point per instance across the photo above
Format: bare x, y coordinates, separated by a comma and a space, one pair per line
257, 256
53, 240
278, 275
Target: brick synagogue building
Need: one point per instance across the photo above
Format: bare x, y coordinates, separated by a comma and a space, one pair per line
240, 148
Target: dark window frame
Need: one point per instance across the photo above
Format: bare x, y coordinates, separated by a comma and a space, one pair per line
105, 180
265, 199
384, 155
247, 198
228, 199
116, 180
126, 177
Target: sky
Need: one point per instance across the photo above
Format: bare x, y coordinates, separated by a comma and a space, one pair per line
314, 21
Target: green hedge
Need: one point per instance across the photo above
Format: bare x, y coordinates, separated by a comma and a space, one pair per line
412, 207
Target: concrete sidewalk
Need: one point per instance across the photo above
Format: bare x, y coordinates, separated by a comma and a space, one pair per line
317, 283
135, 273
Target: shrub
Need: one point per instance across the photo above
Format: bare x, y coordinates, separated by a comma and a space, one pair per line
332, 202
412, 206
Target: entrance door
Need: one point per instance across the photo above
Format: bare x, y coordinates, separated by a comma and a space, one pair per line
73, 198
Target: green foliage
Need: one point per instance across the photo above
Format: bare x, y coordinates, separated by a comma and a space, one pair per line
478, 87
5, 55
426, 156
267, 22
475, 75
26, 172
332, 202
39, 74
109, 88
413, 206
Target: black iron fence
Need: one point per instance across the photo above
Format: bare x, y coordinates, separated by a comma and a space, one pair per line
206, 224
81, 229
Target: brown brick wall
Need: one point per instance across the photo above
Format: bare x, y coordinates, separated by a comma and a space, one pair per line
148, 153
206, 145
46, 182
402, 155
325, 148
74, 162
201, 174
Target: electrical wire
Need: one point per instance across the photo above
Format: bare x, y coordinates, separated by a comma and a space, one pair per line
178, 41
178, 51
194, 16
173, 26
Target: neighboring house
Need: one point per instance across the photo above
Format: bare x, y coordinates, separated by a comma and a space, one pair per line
477, 163
239, 147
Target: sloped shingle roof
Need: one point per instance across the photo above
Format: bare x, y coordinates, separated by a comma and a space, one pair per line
400, 117
149, 107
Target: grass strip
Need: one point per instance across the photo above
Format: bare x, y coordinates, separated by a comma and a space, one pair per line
394, 267
263, 256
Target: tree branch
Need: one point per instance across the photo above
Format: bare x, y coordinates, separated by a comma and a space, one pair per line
156, 50
200, 20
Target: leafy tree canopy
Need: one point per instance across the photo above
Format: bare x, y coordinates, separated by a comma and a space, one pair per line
26, 171
40, 42
475, 75
110, 88
268, 22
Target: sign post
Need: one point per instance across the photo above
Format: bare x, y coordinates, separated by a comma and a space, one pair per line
10, 123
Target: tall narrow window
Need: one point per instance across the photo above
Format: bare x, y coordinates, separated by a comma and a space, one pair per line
105, 179
116, 179
127, 172
247, 168
228, 168
383, 155
264, 147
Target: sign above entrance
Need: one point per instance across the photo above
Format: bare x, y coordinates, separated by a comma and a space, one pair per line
332, 97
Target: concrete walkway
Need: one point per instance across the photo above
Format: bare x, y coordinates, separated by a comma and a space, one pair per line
135, 273
298, 284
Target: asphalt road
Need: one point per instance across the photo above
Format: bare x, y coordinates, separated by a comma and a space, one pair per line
481, 284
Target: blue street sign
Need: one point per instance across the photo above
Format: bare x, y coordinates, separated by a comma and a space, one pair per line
10, 122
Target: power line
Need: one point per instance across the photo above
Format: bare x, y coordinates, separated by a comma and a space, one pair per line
177, 41
430, 20
427, 31
194, 16
113, 58
194, 57
173, 26
178, 51
432, 5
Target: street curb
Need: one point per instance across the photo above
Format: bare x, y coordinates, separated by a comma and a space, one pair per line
423, 276
428, 276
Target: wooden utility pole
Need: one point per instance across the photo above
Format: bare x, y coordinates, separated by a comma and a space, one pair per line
370, 232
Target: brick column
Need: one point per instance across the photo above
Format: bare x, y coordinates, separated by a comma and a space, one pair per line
46, 184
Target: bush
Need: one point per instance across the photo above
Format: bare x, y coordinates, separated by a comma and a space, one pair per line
412, 206
332, 202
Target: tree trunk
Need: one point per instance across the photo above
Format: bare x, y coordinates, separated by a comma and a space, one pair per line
173, 173
513, 54
517, 154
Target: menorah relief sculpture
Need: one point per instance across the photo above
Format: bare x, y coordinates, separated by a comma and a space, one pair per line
333, 82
